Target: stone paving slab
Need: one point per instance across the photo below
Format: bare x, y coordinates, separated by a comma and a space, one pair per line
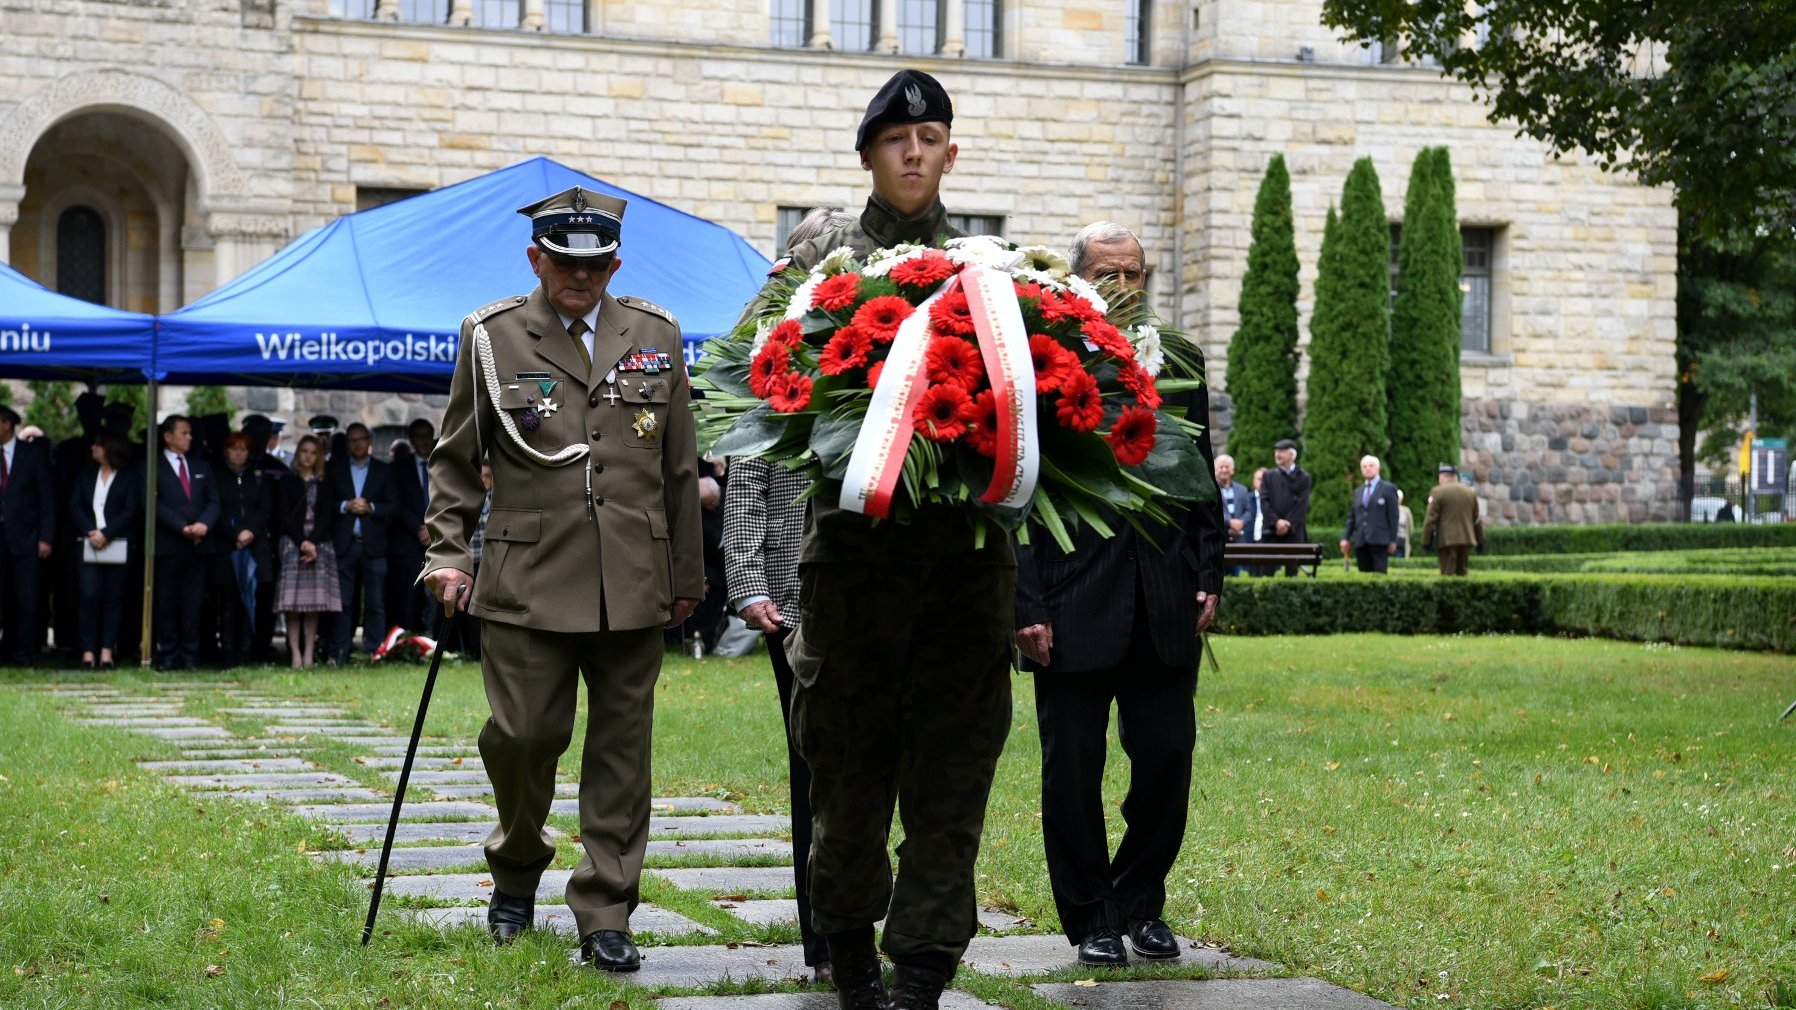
552, 889
246, 743
335, 728
134, 709
413, 859
350, 813
185, 732
728, 879
821, 999
471, 776
1038, 955
285, 711
224, 765
695, 966
150, 720
413, 831
354, 741
1214, 994
467, 792
558, 919
429, 745
286, 796
432, 762
192, 754
722, 848
277, 780
721, 824
784, 911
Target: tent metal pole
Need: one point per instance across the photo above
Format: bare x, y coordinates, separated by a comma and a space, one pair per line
146, 634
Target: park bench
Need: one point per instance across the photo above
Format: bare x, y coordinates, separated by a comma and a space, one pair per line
1268, 555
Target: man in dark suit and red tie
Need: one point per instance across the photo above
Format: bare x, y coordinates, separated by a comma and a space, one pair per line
1119, 620
27, 523
186, 507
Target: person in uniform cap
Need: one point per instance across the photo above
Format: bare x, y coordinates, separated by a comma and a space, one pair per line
902, 655
1285, 499
322, 424
1452, 527
592, 547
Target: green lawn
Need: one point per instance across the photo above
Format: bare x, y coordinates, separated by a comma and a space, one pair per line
1492, 822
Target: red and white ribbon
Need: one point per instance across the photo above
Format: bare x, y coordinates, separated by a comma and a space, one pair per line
877, 461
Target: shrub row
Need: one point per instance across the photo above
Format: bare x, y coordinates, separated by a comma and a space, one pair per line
1740, 613
1602, 539
1737, 561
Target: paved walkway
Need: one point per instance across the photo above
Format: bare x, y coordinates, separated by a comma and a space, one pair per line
438, 865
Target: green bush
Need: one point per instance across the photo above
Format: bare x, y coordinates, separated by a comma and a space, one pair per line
1262, 356
1603, 539
1423, 416
1711, 610
1768, 561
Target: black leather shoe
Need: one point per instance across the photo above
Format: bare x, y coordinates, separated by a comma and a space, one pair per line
855, 964
507, 916
822, 974
1153, 939
916, 988
610, 950
1103, 948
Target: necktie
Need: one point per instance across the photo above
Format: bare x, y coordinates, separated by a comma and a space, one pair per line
577, 330
181, 471
1366, 497
424, 480
5, 472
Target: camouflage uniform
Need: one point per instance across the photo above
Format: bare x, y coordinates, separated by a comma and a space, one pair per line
902, 661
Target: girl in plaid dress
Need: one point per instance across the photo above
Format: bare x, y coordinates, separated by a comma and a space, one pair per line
308, 582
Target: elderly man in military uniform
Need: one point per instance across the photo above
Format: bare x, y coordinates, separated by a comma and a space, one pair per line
902, 657
592, 547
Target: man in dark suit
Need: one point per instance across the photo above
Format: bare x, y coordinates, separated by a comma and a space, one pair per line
1372, 525
1119, 620
1285, 500
408, 604
186, 509
362, 489
27, 524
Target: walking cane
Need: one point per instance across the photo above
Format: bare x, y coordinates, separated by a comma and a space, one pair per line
444, 623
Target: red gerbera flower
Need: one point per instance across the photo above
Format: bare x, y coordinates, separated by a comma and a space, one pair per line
1079, 406
1109, 339
1054, 308
880, 316
1030, 291
952, 359
922, 272
950, 315
943, 412
770, 362
836, 293
791, 393
982, 424
1051, 360
788, 332
1136, 380
1081, 309
847, 349
873, 373
1132, 437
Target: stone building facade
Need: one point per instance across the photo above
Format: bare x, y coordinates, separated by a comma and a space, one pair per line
206, 133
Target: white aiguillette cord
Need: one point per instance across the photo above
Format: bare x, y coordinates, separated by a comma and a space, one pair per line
483, 355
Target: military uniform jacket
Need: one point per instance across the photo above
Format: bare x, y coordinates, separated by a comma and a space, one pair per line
1452, 518
558, 556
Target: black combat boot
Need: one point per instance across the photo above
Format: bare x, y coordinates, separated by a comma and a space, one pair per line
855, 963
915, 988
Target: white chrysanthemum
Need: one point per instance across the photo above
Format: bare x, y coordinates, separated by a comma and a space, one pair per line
1088, 291
763, 327
1148, 351
980, 250
1048, 261
894, 256
801, 298
838, 261
1029, 275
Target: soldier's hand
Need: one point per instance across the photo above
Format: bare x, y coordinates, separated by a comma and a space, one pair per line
1206, 609
1283, 526
763, 615
682, 609
1036, 642
451, 587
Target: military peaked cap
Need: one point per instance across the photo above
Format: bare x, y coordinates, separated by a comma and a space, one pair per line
911, 96
575, 222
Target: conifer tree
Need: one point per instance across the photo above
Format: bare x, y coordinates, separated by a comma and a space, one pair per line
1425, 322
1350, 349
1262, 357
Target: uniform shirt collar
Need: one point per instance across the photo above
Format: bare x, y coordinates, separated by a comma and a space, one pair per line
592, 319
882, 222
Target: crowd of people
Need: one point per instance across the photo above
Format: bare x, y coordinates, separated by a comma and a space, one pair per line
249, 535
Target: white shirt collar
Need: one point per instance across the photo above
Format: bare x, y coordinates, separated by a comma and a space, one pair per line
171, 456
592, 319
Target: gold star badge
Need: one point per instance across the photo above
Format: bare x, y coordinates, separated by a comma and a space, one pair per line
645, 425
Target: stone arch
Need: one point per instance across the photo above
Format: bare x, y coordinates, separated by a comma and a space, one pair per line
187, 125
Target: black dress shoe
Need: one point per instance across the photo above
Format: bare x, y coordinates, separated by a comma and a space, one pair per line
915, 988
507, 916
1103, 948
610, 950
822, 974
1153, 939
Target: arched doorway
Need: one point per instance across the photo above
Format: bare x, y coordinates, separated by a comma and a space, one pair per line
81, 254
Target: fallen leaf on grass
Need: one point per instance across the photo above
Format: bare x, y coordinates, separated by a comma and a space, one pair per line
729, 897
1718, 975
1331, 766
618, 1004
1321, 895
457, 761
214, 970
361, 760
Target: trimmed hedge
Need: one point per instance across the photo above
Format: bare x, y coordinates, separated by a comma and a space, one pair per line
1736, 561
1737, 613
1603, 539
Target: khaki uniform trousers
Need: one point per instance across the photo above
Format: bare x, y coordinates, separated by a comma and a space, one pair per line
1453, 559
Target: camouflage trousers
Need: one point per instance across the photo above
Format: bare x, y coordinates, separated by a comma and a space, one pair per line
902, 697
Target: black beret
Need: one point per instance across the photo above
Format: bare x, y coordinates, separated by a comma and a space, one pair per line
911, 96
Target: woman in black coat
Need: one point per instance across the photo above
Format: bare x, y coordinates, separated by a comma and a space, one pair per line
246, 508
107, 508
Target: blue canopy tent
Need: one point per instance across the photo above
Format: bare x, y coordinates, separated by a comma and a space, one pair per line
374, 300
45, 335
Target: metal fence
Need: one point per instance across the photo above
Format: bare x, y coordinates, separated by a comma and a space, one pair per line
1715, 491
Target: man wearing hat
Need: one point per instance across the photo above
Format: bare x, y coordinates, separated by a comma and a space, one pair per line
592, 547
1285, 499
1452, 526
902, 655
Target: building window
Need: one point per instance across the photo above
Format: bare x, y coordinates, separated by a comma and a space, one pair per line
985, 29
978, 224
427, 12
1380, 52
791, 22
919, 26
565, 16
352, 8
497, 14
81, 254
1135, 29
783, 223
852, 23
1474, 284
370, 197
